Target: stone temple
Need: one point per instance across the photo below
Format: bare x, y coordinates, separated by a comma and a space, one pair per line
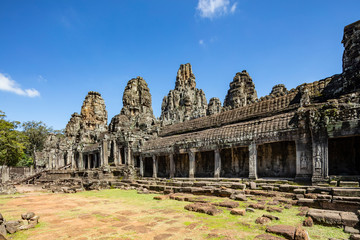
310, 133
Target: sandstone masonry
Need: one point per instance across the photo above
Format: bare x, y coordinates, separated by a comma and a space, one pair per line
309, 133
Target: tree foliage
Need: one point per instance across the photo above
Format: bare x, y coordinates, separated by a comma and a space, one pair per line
17, 148
12, 142
36, 133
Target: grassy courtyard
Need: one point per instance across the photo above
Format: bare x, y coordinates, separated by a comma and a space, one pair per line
120, 214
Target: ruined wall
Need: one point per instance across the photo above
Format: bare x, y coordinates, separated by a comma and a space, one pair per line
53, 154
185, 102
181, 162
14, 174
276, 159
82, 129
163, 166
204, 164
234, 162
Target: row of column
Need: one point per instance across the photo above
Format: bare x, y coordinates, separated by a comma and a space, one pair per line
118, 158
172, 165
92, 160
311, 161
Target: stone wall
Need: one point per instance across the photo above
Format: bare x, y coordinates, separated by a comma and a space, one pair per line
13, 174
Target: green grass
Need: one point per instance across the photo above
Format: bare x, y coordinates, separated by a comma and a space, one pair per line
132, 198
23, 235
224, 222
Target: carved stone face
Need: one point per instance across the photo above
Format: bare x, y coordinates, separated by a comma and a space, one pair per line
242, 91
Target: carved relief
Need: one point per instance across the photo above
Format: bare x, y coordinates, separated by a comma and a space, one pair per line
305, 97
318, 159
304, 161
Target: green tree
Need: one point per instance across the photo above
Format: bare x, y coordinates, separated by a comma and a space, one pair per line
37, 132
12, 142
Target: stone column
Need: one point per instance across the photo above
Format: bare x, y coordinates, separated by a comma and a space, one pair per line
319, 159
119, 157
303, 160
141, 166
55, 159
5, 173
253, 161
105, 155
72, 159
95, 160
191, 164
235, 162
126, 158
88, 160
81, 161
172, 165
129, 157
217, 158
155, 166
115, 154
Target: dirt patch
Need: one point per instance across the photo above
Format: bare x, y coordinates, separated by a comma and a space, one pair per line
137, 229
72, 216
192, 226
163, 236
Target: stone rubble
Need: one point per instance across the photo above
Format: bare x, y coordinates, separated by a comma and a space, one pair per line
27, 221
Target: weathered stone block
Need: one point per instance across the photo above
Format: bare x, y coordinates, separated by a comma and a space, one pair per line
349, 219
12, 226
240, 197
286, 231
238, 186
2, 230
300, 191
348, 184
236, 211
352, 230
262, 220
346, 192
267, 237
325, 217
203, 208
355, 237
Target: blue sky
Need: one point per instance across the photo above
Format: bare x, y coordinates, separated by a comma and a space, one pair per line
53, 52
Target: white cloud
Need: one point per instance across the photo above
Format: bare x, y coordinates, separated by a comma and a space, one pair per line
201, 42
9, 85
41, 79
215, 8
233, 7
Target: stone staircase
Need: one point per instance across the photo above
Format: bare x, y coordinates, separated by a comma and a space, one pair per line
322, 197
